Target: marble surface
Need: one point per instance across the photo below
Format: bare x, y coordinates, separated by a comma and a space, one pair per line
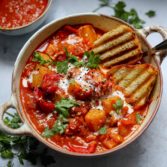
150, 150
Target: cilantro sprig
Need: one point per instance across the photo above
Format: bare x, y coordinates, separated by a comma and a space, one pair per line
103, 130
151, 13
40, 59
62, 107
93, 60
139, 118
58, 128
21, 147
131, 16
118, 106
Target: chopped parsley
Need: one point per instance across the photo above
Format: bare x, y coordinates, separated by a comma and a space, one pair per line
40, 59
62, 67
151, 13
118, 106
139, 118
61, 123
58, 128
103, 130
93, 60
64, 105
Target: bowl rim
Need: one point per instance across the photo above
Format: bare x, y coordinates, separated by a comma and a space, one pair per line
59, 149
30, 23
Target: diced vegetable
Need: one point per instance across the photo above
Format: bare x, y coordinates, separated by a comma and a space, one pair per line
42, 58
78, 92
70, 29
37, 78
87, 32
123, 130
116, 137
109, 143
82, 149
108, 103
50, 50
49, 82
129, 119
95, 119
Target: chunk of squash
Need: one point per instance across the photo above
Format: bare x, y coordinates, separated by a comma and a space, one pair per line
37, 78
87, 32
50, 50
95, 119
45, 56
108, 103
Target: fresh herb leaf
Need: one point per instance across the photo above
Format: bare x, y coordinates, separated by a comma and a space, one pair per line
64, 105
131, 16
7, 154
103, 130
10, 164
26, 148
151, 13
14, 123
62, 67
139, 118
40, 59
58, 128
104, 2
48, 132
118, 106
128, 16
73, 59
93, 60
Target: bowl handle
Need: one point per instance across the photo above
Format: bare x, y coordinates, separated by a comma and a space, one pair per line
24, 129
160, 55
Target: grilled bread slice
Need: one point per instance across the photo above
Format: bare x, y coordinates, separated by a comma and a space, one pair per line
136, 81
117, 46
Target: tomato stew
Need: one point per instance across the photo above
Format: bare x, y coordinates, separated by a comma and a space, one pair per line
68, 98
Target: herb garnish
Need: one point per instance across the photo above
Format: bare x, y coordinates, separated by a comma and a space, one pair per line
21, 147
64, 105
150, 13
93, 60
61, 123
58, 128
62, 67
40, 59
103, 130
118, 106
131, 16
139, 118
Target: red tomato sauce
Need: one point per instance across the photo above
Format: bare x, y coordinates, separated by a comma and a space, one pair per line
16, 13
40, 92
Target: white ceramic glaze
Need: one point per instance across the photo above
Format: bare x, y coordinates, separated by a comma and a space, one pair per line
102, 22
29, 27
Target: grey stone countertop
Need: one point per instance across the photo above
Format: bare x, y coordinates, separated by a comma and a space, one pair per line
149, 150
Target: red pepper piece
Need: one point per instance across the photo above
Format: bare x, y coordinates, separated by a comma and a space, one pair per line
71, 29
43, 105
82, 149
49, 83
